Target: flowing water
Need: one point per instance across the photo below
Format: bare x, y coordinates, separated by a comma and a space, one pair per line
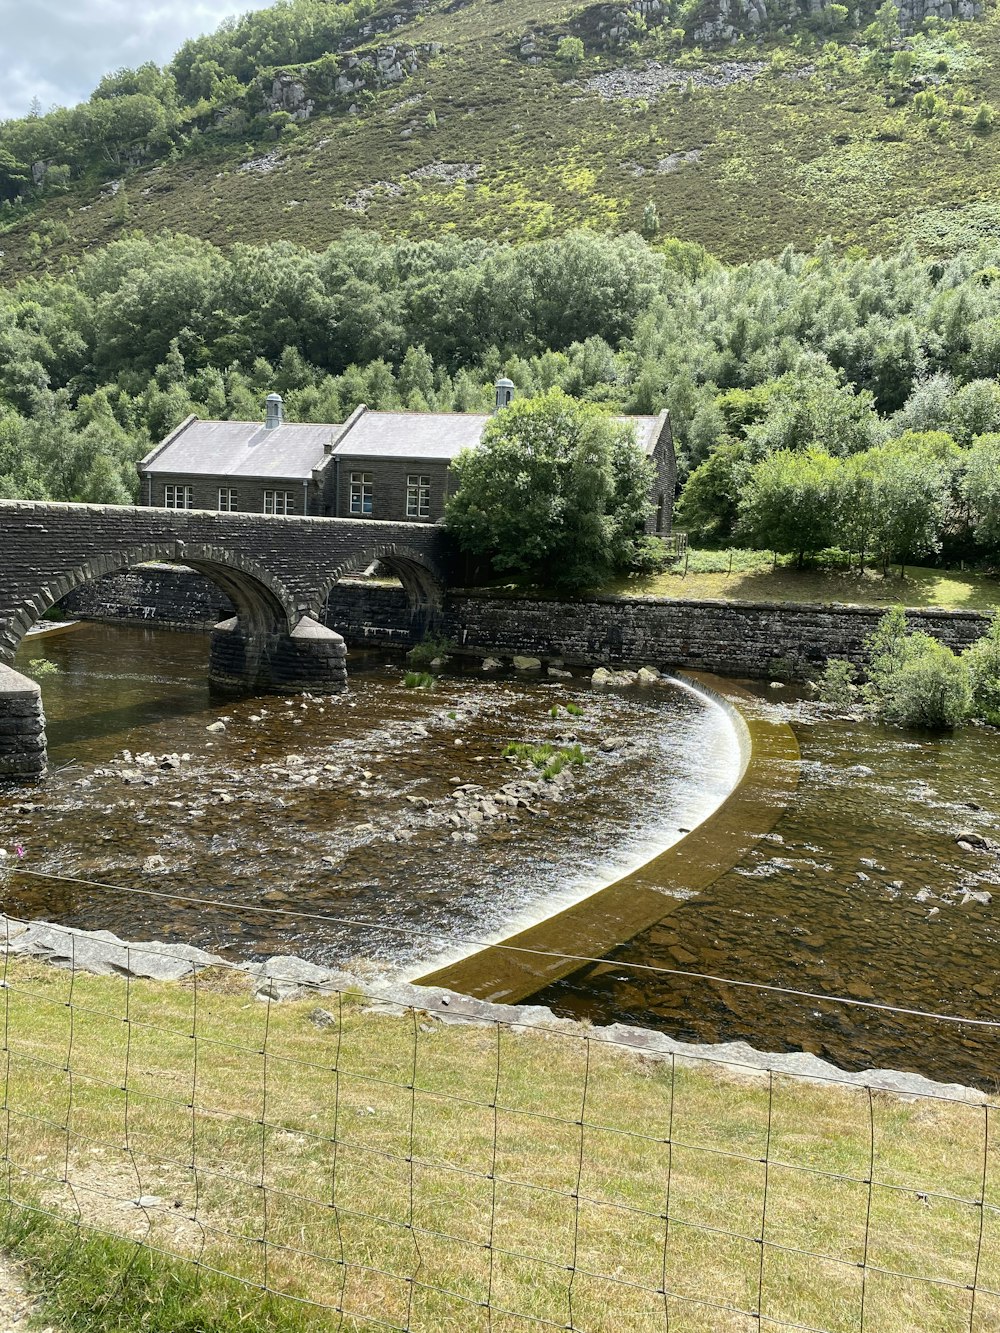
349, 808
861, 891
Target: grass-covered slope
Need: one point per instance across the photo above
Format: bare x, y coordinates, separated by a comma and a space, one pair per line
410, 1173
475, 124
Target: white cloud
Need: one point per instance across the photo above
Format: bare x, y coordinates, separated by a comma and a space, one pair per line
58, 50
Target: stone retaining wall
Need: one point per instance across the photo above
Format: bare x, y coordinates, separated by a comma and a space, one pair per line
750, 639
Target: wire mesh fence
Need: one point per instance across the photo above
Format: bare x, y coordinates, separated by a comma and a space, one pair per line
382, 1164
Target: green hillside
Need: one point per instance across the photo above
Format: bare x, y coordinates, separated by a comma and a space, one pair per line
482, 118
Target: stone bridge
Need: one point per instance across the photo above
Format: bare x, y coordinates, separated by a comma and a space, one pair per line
278, 573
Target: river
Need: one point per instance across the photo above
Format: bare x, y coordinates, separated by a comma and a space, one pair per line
350, 809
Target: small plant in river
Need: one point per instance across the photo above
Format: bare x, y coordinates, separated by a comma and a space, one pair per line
42, 666
548, 758
419, 680
430, 650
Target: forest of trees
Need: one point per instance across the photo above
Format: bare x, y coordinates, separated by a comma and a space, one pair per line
819, 375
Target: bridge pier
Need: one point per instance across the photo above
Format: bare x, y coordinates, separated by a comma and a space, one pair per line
22, 728
311, 658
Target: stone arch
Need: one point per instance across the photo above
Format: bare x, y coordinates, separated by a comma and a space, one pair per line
263, 604
422, 582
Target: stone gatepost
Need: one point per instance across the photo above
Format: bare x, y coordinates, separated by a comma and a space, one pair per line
22, 728
311, 658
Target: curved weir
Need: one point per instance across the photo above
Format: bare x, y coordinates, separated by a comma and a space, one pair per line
520, 966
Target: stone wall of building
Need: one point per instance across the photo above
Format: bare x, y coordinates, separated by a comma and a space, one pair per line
750, 639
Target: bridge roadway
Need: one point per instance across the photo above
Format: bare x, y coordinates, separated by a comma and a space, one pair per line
278, 573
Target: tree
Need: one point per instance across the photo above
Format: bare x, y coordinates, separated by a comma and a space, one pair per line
709, 501
791, 501
979, 487
570, 51
557, 491
911, 482
983, 661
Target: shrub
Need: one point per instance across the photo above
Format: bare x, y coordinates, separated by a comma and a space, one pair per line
419, 680
570, 50
837, 685
985, 117
915, 681
429, 650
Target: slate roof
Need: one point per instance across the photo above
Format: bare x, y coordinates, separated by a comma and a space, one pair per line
430, 435
241, 449
292, 451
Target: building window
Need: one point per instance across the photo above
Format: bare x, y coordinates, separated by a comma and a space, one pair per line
228, 503
418, 496
361, 492
279, 502
178, 497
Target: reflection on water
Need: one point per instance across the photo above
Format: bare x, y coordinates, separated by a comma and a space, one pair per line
349, 806
861, 891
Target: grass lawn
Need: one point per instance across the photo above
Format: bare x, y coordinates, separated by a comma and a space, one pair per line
415, 1172
754, 579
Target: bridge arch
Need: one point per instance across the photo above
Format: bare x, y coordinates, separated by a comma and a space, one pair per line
263, 604
422, 582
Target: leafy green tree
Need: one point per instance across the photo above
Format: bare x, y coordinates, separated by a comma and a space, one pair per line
790, 502
979, 487
558, 491
570, 51
709, 502
983, 662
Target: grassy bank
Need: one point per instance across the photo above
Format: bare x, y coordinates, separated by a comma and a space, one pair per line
752, 576
412, 1171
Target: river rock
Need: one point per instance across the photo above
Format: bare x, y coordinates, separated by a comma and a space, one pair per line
558, 673
286, 978
492, 664
216, 728
103, 953
602, 676
527, 664
968, 840
977, 896
648, 675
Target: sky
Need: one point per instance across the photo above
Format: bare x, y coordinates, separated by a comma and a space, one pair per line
57, 50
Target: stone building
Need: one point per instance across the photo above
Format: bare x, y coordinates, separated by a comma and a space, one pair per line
376, 465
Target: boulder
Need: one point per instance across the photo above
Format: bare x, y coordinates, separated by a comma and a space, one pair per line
492, 664
648, 675
602, 676
287, 978
971, 839
216, 728
527, 664
557, 673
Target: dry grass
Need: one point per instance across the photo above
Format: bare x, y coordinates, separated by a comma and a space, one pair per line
249, 1122
948, 590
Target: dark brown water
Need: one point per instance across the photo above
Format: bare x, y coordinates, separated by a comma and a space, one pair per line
345, 807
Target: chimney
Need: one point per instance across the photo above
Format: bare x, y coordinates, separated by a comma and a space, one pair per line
505, 393
273, 411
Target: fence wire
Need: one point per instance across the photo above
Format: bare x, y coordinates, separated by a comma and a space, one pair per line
382, 1165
